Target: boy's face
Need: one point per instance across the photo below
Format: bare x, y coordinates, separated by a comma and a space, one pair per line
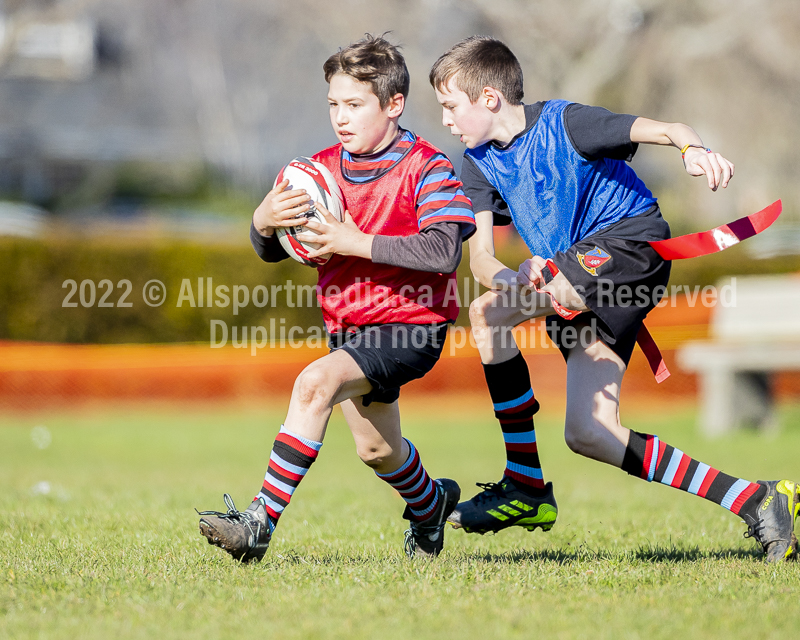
471, 121
357, 118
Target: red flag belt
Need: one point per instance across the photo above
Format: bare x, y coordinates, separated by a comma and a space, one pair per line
692, 245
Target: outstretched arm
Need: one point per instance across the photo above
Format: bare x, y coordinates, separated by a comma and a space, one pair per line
697, 160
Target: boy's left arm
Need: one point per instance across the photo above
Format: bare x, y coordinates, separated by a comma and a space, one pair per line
343, 238
697, 159
437, 248
445, 219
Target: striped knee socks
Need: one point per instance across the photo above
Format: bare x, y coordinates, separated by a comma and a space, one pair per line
414, 485
651, 459
291, 457
514, 406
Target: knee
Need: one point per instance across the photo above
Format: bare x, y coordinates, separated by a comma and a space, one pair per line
488, 311
583, 434
315, 387
373, 455
477, 312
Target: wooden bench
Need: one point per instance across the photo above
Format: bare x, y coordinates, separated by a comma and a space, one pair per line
752, 338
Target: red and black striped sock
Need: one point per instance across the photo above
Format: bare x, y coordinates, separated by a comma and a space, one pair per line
291, 457
514, 406
649, 458
414, 485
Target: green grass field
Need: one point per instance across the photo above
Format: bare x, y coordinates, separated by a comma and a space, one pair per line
113, 551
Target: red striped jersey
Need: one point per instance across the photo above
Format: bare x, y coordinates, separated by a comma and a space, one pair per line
399, 200
367, 166
439, 194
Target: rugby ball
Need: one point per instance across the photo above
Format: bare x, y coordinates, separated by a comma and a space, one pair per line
318, 181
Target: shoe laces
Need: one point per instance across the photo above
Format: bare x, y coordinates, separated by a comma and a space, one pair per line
491, 490
417, 530
754, 530
245, 517
410, 544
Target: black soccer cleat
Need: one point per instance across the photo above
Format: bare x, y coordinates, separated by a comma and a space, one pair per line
773, 526
501, 505
245, 535
426, 539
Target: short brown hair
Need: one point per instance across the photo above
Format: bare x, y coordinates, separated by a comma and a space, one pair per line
374, 61
477, 62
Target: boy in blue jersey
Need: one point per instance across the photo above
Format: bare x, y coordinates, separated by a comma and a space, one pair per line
558, 172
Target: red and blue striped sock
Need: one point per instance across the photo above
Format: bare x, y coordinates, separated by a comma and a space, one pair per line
651, 459
414, 485
292, 456
514, 406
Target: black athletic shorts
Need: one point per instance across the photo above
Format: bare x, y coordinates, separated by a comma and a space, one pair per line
620, 278
390, 355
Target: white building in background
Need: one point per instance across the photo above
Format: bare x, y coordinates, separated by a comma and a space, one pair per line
51, 50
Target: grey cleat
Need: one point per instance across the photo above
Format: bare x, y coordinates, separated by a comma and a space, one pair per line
245, 535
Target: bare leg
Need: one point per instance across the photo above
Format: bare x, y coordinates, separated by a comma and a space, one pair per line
376, 431
494, 315
380, 445
319, 387
592, 427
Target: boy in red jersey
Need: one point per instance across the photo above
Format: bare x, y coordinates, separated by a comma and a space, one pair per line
558, 171
383, 296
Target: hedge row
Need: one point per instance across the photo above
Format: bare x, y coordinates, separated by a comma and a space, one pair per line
34, 287
80, 290
35, 275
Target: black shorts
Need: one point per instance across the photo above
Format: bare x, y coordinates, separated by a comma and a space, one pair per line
620, 278
390, 355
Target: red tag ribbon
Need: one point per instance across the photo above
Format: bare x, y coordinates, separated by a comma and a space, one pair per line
694, 245
653, 354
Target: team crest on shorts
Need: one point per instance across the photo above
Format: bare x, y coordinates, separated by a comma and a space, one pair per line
592, 260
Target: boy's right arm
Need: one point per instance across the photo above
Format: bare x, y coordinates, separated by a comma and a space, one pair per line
268, 248
277, 209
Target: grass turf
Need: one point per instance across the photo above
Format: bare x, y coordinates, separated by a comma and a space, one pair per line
112, 550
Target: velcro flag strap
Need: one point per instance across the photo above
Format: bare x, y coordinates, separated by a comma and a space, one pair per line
567, 314
694, 245
653, 354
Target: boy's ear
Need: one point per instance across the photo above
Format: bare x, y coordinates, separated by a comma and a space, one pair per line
491, 98
396, 105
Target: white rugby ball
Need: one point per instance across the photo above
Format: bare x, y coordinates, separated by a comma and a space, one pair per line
318, 181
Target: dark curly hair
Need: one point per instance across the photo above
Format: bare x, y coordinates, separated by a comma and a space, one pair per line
374, 61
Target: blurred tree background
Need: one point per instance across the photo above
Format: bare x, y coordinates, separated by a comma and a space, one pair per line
139, 136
